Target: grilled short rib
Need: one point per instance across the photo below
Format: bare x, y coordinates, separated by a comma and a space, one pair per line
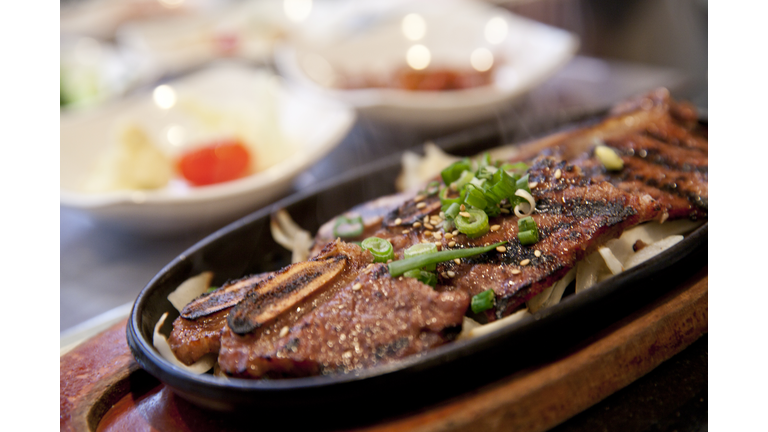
663, 147
373, 320
337, 313
198, 330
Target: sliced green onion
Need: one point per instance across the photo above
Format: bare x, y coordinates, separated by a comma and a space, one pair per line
528, 232
478, 182
463, 179
483, 301
212, 289
475, 197
397, 268
473, 226
505, 187
528, 237
487, 172
522, 183
446, 202
526, 224
421, 249
608, 157
517, 168
380, 248
348, 227
452, 211
454, 170
426, 277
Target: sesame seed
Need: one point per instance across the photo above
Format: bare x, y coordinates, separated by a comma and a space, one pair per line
558, 173
505, 211
398, 221
369, 266
437, 235
357, 286
429, 226
444, 274
426, 219
448, 236
442, 214
495, 227
465, 214
501, 249
427, 232
438, 245
389, 261
416, 224
462, 207
418, 198
525, 262
406, 231
420, 205
537, 253
516, 272
283, 331
452, 244
533, 184
455, 233
453, 187
451, 273
457, 260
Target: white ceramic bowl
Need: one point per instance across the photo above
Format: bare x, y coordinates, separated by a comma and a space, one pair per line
371, 41
293, 130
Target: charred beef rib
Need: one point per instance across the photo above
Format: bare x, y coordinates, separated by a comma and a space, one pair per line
339, 312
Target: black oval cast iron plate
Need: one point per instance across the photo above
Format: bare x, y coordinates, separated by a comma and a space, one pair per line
246, 247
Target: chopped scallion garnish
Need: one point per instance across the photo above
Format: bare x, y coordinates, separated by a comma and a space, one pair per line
528, 232
608, 157
473, 226
483, 301
475, 197
426, 277
420, 249
454, 170
348, 227
380, 248
397, 268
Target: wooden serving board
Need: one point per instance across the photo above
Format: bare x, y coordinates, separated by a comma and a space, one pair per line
102, 387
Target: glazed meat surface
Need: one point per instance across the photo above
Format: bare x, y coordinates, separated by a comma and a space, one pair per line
198, 330
574, 215
663, 147
339, 312
374, 320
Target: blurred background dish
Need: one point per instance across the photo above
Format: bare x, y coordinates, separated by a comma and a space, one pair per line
173, 44
136, 165
422, 62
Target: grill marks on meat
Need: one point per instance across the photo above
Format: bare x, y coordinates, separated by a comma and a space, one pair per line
675, 176
574, 216
198, 330
223, 298
385, 319
334, 314
665, 153
298, 284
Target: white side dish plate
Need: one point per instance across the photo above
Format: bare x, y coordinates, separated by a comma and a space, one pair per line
372, 40
287, 131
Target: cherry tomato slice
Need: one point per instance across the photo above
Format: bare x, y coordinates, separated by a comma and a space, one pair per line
219, 162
